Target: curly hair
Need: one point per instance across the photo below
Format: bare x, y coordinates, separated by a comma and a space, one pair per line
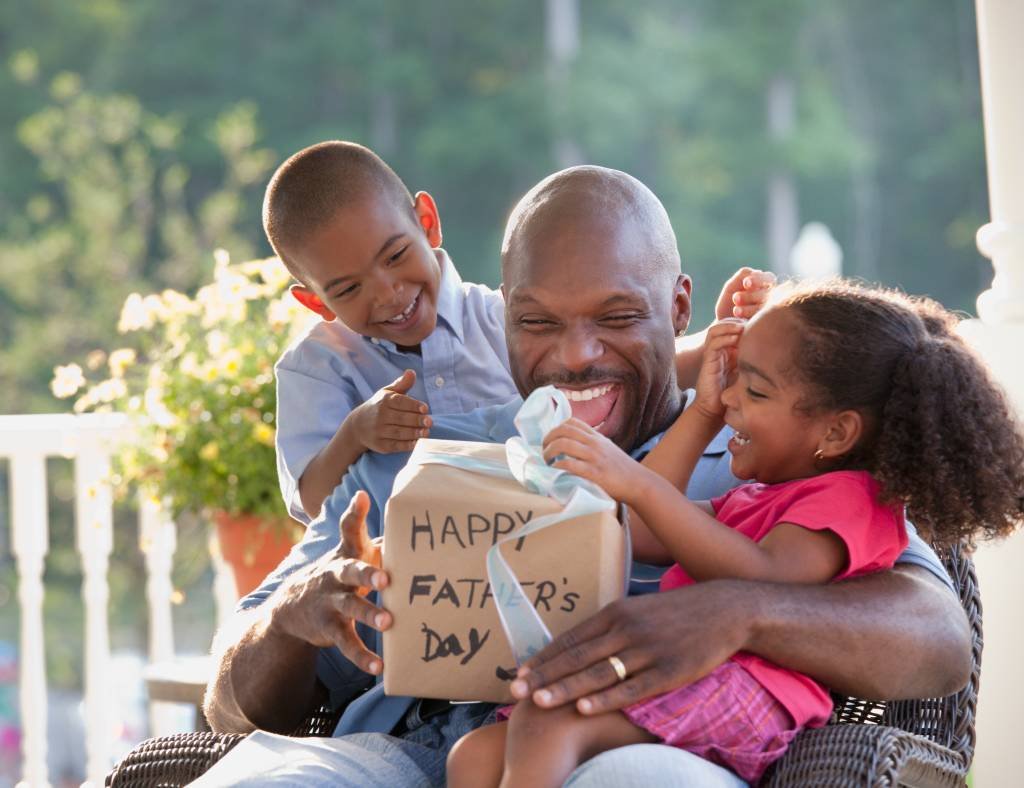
940, 436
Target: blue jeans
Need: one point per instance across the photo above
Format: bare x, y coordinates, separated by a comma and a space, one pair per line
417, 758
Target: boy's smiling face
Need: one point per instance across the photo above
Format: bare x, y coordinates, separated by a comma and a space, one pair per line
375, 268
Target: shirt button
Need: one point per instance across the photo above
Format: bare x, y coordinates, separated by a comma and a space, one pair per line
439, 381
374, 341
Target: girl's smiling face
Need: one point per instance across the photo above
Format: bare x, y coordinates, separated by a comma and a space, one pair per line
775, 440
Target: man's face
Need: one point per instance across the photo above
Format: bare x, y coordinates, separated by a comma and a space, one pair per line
587, 311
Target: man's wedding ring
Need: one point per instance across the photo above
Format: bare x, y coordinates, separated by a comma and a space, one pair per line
618, 667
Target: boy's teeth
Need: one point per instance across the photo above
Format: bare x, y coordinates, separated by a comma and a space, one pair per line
404, 314
586, 394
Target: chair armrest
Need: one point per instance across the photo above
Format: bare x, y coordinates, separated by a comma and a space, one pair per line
868, 755
171, 760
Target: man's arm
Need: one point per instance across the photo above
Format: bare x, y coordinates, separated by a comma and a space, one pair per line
266, 676
893, 634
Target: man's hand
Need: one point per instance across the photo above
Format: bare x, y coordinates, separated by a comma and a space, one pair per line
390, 421
664, 640
321, 604
744, 294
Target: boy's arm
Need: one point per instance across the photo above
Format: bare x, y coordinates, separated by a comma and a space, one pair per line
388, 422
327, 468
742, 296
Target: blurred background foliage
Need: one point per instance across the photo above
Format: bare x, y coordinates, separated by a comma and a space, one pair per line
137, 137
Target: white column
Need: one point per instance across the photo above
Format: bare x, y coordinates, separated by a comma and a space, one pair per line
30, 543
95, 537
999, 336
158, 541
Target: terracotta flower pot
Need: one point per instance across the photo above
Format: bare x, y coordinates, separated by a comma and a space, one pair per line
253, 545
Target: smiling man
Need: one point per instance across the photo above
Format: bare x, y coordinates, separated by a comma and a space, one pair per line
595, 299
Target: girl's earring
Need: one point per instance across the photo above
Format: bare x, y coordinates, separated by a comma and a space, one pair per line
819, 455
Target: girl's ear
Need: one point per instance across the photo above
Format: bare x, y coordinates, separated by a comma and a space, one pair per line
311, 301
844, 431
429, 219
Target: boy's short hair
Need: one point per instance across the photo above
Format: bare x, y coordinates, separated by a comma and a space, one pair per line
313, 185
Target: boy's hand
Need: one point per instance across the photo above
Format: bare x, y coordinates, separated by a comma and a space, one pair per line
587, 453
718, 366
390, 421
744, 294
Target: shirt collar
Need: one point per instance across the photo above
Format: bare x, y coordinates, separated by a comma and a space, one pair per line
450, 302
451, 299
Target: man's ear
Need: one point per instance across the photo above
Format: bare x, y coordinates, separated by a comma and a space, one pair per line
844, 431
311, 301
681, 304
430, 220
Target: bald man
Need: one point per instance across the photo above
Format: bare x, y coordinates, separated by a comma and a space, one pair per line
594, 302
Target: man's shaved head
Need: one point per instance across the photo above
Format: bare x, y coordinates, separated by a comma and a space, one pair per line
594, 299
590, 198
312, 186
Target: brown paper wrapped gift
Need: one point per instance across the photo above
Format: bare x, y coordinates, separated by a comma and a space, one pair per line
447, 640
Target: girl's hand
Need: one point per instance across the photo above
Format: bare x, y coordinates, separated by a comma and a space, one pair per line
584, 451
718, 366
744, 294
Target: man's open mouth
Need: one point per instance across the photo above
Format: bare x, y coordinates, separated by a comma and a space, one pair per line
592, 405
407, 316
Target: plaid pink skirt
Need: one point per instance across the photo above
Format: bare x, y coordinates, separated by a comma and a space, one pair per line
727, 717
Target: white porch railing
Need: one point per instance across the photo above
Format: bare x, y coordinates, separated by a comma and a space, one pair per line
27, 441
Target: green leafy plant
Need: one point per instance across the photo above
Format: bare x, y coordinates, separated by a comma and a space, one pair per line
198, 384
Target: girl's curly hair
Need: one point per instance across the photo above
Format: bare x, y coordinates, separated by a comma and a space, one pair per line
939, 434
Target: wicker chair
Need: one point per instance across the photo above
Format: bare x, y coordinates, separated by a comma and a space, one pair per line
919, 742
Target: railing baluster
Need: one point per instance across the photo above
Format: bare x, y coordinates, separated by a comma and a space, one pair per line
158, 541
94, 527
30, 526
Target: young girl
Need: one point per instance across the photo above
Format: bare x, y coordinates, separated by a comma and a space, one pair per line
848, 405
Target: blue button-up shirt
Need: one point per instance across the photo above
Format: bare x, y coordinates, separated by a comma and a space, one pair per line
461, 366
375, 473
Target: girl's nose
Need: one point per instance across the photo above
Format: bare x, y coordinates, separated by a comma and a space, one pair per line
729, 395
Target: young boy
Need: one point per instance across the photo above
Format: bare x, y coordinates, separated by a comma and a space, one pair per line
402, 336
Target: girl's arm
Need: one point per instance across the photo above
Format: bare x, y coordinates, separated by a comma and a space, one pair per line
687, 531
679, 451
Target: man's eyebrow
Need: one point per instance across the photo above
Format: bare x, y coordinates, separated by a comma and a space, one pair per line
746, 366
632, 299
385, 245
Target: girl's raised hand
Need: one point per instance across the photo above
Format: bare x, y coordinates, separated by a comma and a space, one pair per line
577, 447
718, 366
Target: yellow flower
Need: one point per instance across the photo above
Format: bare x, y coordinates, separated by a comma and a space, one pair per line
120, 360
231, 363
216, 342
67, 380
209, 452
134, 315
177, 304
109, 390
273, 272
263, 433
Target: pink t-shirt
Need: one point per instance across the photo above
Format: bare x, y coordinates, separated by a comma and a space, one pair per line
844, 502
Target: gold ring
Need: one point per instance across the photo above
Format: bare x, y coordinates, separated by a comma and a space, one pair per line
618, 667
